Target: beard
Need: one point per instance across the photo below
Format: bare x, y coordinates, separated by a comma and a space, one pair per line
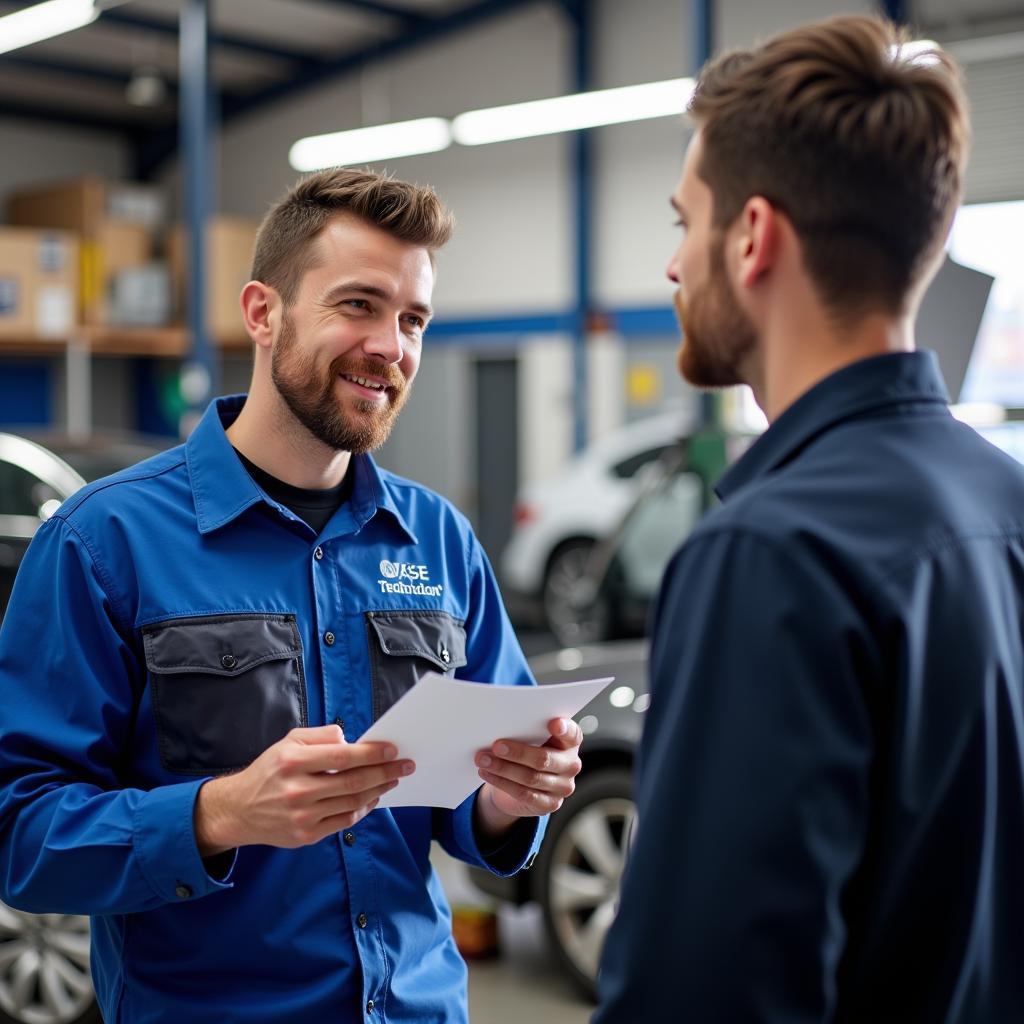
718, 337
310, 395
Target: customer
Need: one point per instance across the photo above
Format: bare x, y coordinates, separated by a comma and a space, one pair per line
831, 786
190, 642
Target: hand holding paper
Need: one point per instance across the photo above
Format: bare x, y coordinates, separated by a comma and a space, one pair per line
442, 723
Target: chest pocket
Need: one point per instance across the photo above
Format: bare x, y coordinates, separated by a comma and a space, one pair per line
225, 687
404, 646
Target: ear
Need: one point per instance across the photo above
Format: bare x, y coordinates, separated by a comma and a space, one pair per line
757, 240
260, 312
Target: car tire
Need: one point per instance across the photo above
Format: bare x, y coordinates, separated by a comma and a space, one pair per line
573, 610
44, 969
579, 870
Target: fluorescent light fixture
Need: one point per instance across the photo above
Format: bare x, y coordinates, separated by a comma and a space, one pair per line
919, 51
572, 113
52, 18
368, 145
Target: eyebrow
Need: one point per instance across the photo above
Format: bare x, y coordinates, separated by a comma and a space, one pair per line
362, 288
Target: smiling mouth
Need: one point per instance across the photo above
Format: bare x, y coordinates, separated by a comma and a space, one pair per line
365, 382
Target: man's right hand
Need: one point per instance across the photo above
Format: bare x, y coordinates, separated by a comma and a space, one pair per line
304, 787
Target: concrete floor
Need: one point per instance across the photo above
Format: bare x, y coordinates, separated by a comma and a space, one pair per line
523, 984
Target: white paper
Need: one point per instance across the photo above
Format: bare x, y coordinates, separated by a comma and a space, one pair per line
441, 723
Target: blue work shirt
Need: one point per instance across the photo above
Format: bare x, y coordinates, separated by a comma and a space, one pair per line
831, 784
168, 624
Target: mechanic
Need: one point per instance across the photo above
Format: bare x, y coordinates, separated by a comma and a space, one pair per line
190, 642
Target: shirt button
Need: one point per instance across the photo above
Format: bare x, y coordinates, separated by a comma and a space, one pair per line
362, 920
182, 891
340, 723
229, 661
329, 638
369, 1006
445, 656
350, 838
319, 553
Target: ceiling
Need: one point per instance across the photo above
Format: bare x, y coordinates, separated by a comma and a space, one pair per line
261, 51
265, 50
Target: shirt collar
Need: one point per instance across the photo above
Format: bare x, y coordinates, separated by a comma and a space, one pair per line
867, 385
222, 488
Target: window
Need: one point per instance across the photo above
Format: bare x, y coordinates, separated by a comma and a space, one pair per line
628, 468
21, 493
987, 236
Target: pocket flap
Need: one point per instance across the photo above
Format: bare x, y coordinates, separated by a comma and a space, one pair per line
224, 645
434, 636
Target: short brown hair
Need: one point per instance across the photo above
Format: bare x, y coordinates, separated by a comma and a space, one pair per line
860, 142
284, 249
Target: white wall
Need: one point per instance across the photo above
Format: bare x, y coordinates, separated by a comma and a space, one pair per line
34, 154
514, 247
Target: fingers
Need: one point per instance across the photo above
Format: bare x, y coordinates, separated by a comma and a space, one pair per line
541, 759
565, 734
357, 782
299, 756
318, 734
335, 806
558, 782
526, 800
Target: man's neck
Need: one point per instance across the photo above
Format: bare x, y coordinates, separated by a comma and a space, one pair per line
797, 356
268, 435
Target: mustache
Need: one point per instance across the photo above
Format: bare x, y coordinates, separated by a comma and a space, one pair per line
387, 372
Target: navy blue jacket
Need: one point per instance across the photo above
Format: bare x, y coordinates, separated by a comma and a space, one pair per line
831, 786
167, 625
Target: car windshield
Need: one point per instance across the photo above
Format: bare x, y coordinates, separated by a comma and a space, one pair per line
100, 457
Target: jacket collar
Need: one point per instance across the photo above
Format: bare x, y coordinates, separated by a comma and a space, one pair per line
222, 488
892, 381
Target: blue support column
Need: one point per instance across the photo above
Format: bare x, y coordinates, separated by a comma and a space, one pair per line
199, 376
702, 15
583, 179
895, 10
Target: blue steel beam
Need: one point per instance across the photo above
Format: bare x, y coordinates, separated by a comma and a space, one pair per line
582, 143
895, 10
426, 32
159, 145
380, 7
76, 69
64, 115
702, 15
197, 140
228, 40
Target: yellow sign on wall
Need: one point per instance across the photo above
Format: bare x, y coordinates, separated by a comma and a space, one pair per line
643, 384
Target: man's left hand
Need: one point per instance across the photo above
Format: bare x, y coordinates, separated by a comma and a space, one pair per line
523, 781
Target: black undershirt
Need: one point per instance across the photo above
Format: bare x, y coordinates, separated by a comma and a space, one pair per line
314, 506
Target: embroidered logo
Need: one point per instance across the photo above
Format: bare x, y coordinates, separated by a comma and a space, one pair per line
406, 578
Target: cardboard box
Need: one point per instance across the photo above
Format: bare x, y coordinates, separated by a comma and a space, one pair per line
115, 224
86, 204
38, 283
229, 246
140, 296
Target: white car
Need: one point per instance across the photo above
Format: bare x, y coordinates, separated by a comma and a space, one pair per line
557, 522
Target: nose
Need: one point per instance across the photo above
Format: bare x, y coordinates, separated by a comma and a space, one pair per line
671, 272
385, 342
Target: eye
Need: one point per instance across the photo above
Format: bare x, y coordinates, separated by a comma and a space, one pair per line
356, 303
416, 321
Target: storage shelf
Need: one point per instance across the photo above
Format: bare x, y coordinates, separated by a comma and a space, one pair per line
118, 341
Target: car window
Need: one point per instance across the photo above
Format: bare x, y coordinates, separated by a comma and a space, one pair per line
21, 492
657, 526
628, 468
